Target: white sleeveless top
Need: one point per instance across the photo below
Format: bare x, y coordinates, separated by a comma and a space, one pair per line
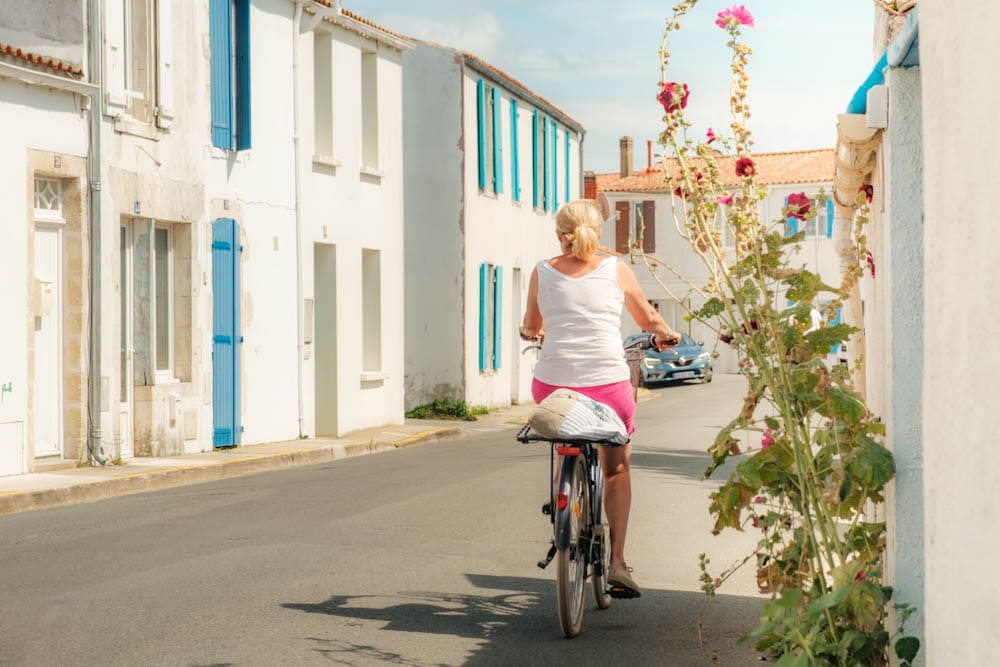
582, 321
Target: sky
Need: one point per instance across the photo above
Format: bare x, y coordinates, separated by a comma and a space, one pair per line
599, 63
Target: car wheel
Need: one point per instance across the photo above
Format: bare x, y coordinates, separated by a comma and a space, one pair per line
707, 377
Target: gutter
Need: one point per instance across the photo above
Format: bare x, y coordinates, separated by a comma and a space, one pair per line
36, 78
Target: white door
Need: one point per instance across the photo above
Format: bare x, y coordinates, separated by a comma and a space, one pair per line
48, 381
125, 413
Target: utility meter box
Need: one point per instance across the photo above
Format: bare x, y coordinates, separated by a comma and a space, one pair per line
43, 297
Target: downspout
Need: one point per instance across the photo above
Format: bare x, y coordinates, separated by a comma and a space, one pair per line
94, 72
296, 128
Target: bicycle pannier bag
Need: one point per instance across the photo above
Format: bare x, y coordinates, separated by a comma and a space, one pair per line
569, 415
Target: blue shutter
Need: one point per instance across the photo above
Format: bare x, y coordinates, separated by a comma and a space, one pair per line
546, 166
791, 224
535, 201
220, 42
483, 287
829, 216
497, 143
226, 338
567, 168
555, 166
497, 313
481, 106
515, 176
241, 44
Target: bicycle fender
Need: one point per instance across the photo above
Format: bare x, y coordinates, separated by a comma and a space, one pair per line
563, 532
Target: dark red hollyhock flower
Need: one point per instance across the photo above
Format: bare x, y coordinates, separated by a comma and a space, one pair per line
753, 325
673, 96
871, 264
869, 192
860, 576
798, 205
726, 338
745, 167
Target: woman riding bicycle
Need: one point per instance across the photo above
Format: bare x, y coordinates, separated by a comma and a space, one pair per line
574, 305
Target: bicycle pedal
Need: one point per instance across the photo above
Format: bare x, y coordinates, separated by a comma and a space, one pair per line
547, 509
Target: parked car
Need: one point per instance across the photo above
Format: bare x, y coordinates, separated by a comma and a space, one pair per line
686, 361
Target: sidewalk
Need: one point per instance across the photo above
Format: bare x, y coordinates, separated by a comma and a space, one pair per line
57, 488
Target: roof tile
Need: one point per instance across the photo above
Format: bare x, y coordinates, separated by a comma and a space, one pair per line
40, 61
813, 166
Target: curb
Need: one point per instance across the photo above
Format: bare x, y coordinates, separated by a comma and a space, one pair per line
83, 492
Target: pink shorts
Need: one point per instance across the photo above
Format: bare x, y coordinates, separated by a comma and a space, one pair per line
619, 396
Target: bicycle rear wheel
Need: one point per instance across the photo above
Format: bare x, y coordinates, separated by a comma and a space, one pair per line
571, 562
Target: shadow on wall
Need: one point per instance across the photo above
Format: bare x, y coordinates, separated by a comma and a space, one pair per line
515, 619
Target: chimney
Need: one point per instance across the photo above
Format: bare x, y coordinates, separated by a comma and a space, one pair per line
589, 185
649, 156
626, 157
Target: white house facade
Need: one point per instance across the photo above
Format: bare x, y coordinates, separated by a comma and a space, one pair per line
644, 203
44, 102
488, 163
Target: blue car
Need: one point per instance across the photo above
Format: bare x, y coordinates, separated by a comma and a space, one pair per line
686, 361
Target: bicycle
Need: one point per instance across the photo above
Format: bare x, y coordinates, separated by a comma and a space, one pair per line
581, 543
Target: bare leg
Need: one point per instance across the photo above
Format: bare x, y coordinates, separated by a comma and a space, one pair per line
617, 496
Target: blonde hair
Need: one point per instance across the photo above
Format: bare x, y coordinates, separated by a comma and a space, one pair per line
580, 224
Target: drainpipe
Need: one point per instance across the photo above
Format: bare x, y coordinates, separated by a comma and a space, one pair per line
319, 12
94, 69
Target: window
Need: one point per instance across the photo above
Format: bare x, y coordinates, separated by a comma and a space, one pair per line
645, 225
543, 163
163, 301
138, 59
369, 109
371, 306
490, 316
323, 93
490, 138
229, 36
48, 198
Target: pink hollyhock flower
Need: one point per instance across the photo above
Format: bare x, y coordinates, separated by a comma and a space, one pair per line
869, 192
726, 201
745, 167
860, 576
673, 96
734, 16
798, 205
767, 440
678, 192
759, 499
871, 264
710, 135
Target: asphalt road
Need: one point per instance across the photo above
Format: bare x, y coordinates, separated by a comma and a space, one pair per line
421, 556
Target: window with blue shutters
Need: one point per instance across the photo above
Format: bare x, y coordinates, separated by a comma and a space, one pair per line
497, 137
536, 199
515, 166
555, 165
490, 316
566, 172
487, 130
546, 165
226, 338
229, 39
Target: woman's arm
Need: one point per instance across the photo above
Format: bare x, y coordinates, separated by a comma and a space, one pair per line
642, 310
532, 327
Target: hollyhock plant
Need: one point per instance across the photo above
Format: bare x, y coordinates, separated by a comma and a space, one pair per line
822, 464
869, 192
674, 97
798, 206
734, 16
745, 167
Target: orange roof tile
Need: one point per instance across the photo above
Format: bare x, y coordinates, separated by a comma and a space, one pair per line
44, 62
361, 19
813, 166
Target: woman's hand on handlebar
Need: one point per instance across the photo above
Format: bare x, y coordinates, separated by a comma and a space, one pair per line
533, 337
666, 342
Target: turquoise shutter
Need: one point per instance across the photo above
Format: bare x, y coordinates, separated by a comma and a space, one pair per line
220, 43
566, 178
791, 224
483, 287
836, 321
497, 143
829, 216
481, 106
546, 166
534, 159
497, 313
241, 44
555, 166
226, 337
515, 176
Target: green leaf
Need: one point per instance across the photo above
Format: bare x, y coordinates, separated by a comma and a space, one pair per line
749, 473
827, 601
789, 598
794, 660
712, 307
824, 338
844, 404
871, 465
804, 285
907, 648
771, 422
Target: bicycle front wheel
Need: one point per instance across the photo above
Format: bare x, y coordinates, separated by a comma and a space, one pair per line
571, 562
